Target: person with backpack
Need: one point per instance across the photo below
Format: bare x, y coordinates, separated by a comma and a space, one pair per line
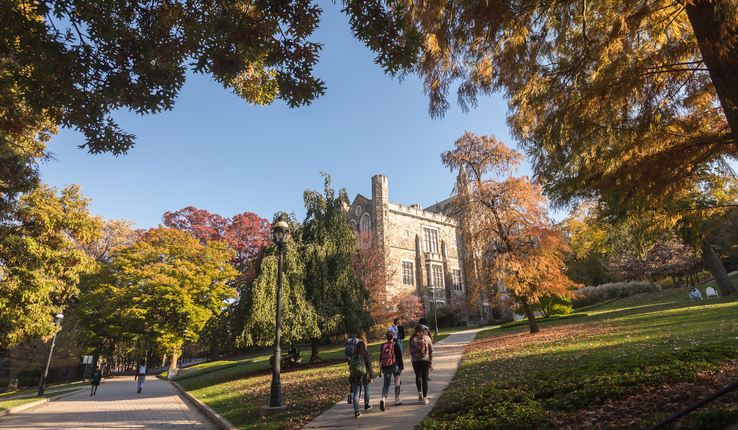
349, 350
421, 355
390, 361
399, 332
141, 375
427, 329
361, 375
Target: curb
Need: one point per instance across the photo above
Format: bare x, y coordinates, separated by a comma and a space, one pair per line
207, 410
39, 402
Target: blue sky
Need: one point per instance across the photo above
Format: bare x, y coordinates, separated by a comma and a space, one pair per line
215, 152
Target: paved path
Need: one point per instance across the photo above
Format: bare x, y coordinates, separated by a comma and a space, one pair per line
446, 357
115, 406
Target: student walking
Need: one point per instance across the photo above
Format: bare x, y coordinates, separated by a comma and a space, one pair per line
399, 332
421, 355
96, 377
390, 361
349, 351
141, 375
361, 375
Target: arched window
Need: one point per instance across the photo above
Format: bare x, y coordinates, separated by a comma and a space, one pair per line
354, 225
366, 222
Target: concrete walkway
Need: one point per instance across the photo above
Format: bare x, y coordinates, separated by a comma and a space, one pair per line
447, 354
115, 406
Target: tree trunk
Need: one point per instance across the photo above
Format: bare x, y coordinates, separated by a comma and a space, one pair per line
173, 364
691, 281
163, 360
719, 55
531, 316
716, 268
674, 280
12, 379
216, 353
314, 353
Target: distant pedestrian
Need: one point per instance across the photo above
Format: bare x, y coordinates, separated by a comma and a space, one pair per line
398, 331
361, 375
421, 355
141, 375
390, 361
695, 294
96, 377
349, 350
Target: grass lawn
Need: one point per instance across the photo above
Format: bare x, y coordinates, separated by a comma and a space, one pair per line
238, 389
7, 404
34, 390
628, 364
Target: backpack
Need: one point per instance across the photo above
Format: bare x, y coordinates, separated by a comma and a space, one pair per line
401, 329
350, 347
357, 368
418, 348
387, 355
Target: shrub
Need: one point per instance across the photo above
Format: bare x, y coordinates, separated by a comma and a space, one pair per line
621, 289
549, 304
582, 299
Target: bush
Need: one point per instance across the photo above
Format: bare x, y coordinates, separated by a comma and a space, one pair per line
581, 299
621, 289
549, 304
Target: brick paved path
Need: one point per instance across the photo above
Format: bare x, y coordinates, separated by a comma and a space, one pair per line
115, 406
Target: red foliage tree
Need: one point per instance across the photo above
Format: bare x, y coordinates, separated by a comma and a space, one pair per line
245, 233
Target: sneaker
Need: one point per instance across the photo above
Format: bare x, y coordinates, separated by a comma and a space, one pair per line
398, 402
357, 414
367, 407
381, 405
425, 400
350, 399
420, 397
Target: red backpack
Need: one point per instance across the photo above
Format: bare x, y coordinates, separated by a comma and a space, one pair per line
387, 355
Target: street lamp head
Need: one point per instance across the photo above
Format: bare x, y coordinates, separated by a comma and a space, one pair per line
58, 319
280, 231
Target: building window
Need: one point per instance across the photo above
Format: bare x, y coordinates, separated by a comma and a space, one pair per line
366, 223
456, 280
435, 275
354, 225
358, 210
405, 232
430, 237
407, 273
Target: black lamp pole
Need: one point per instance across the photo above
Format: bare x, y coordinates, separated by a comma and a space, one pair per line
281, 229
184, 341
57, 320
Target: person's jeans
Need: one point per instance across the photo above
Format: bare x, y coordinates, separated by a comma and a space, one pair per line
356, 386
388, 378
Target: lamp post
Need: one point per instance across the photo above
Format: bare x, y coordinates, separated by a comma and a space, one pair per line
280, 231
435, 308
57, 320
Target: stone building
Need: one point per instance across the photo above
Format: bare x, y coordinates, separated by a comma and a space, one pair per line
423, 245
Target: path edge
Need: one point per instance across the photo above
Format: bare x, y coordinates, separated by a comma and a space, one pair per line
20, 408
207, 410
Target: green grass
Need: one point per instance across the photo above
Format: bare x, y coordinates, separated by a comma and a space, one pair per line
7, 404
575, 369
34, 390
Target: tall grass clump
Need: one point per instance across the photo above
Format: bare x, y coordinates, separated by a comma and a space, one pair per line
619, 290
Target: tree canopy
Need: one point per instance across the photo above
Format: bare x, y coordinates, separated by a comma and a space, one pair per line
74, 63
629, 99
39, 262
164, 283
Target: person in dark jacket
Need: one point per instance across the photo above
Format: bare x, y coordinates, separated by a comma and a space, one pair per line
388, 371
364, 381
96, 377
